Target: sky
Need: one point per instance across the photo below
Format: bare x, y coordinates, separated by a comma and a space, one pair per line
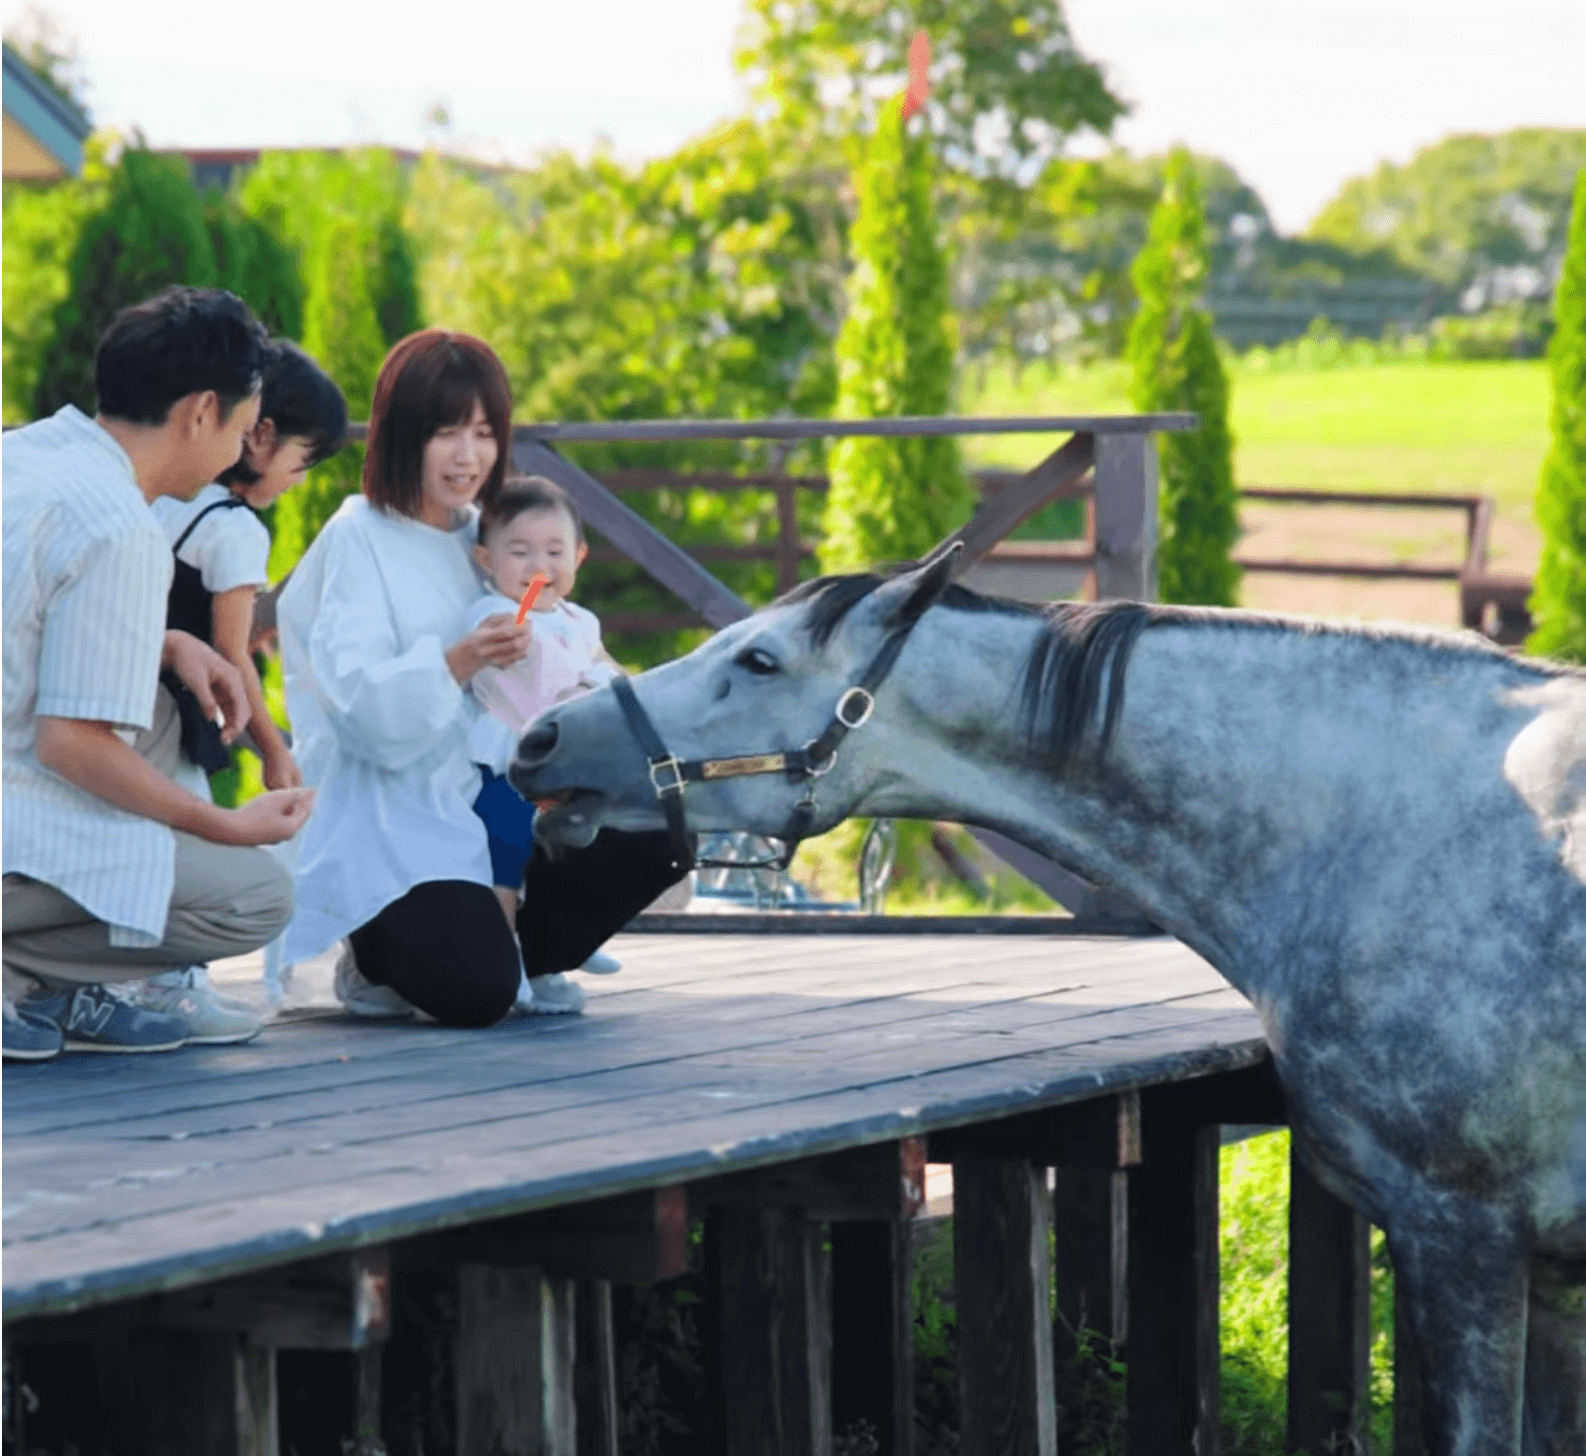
1298, 95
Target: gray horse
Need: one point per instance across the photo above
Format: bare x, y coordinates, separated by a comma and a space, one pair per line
1379, 836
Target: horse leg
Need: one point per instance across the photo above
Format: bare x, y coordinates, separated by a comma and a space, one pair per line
1464, 1289
1555, 1360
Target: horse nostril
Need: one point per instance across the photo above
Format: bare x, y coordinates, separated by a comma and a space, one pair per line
536, 745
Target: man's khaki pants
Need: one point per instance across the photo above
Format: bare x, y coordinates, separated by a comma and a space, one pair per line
226, 901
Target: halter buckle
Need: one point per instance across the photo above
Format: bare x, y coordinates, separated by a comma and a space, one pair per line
659, 766
819, 770
867, 705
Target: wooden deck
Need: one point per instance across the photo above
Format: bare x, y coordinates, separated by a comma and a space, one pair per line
707, 1054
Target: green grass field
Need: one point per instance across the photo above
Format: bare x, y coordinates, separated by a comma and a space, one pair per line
1468, 427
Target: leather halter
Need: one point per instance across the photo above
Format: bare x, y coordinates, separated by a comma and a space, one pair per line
670, 775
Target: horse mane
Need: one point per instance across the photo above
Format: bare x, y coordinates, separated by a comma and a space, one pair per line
1077, 665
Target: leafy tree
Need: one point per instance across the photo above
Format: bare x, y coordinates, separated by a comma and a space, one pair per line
1176, 368
1485, 217
696, 285
146, 232
892, 499
1558, 602
1009, 86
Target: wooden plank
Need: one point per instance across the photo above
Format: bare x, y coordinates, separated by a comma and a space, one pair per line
1173, 1283
873, 1331
595, 1370
1329, 1319
1002, 1292
596, 1047
668, 563
1126, 523
819, 922
878, 1182
765, 1074
515, 1358
393, 1199
1102, 1133
1057, 476
898, 426
775, 1349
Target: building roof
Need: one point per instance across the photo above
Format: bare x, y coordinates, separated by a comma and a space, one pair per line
44, 133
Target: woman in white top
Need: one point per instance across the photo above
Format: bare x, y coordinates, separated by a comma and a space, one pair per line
377, 651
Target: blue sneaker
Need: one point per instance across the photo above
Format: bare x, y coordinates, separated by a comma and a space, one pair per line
29, 1037
102, 1019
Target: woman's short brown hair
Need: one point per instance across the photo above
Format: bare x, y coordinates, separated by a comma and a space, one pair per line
429, 380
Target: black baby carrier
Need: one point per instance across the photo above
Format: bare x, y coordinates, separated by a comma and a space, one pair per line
190, 608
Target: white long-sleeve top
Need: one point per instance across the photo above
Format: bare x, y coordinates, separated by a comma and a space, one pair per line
380, 726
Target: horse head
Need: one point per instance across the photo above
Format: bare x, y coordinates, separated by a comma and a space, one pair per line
748, 725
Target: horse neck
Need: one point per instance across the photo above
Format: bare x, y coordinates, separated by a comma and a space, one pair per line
1254, 775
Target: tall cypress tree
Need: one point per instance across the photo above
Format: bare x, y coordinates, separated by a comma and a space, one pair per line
1558, 601
893, 499
341, 330
148, 233
1176, 368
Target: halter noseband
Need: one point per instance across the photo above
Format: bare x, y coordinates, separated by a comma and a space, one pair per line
670, 775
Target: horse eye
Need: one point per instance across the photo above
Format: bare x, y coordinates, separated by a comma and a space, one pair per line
761, 664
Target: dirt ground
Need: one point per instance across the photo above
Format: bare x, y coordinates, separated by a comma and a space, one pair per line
1374, 534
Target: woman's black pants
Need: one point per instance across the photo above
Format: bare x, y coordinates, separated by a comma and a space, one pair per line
446, 947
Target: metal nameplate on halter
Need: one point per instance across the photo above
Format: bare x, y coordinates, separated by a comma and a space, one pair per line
731, 768
664, 786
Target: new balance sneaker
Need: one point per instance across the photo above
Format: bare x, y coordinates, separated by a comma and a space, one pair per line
105, 1019
211, 1020
554, 995
197, 978
601, 964
360, 997
29, 1037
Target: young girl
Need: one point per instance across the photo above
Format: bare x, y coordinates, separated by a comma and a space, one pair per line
221, 550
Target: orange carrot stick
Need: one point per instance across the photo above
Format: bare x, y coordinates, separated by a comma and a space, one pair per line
537, 583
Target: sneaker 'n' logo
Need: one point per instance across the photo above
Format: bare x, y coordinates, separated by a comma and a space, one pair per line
90, 1013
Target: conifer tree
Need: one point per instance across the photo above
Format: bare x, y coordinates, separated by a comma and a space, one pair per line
1176, 368
341, 330
148, 233
894, 499
1558, 601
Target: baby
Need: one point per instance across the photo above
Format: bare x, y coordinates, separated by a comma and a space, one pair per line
531, 529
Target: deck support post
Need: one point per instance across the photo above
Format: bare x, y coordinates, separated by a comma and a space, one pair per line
775, 1332
1090, 1222
1409, 1431
595, 1370
515, 1356
1002, 1289
1329, 1319
873, 1331
1126, 484
1173, 1281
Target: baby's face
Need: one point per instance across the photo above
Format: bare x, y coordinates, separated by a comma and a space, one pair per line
544, 541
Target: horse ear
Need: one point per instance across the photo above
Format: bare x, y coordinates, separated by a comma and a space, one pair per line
922, 588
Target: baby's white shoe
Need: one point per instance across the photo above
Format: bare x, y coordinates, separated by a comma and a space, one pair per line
552, 995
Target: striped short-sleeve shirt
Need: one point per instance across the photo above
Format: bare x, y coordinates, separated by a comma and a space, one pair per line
87, 570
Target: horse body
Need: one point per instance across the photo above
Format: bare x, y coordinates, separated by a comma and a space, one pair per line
1379, 838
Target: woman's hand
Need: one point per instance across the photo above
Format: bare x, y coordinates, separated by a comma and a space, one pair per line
496, 642
280, 769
